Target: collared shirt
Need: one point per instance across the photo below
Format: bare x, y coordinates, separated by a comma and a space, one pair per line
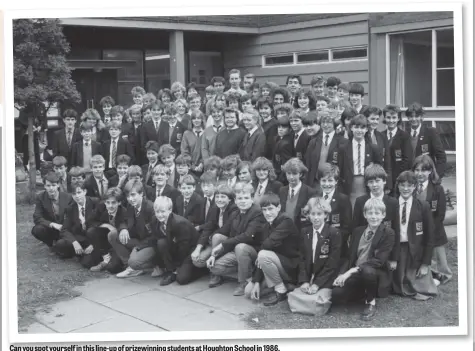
261, 187
296, 189
82, 217
403, 227
359, 171
138, 209
418, 131
378, 197
159, 191
297, 136
425, 185
232, 181
104, 184
221, 216
156, 124
112, 216
330, 196
252, 131
116, 140
172, 169
315, 240
391, 133
208, 201
330, 137
215, 127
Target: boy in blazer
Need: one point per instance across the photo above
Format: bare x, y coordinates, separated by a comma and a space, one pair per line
208, 185
64, 139
176, 238
400, 149
412, 276
167, 155
49, 212
60, 168
284, 147
318, 262
299, 135
364, 273
115, 146
157, 129
295, 196
425, 140
78, 219
97, 183
83, 150
278, 254
160, 175
254, 142
176, 130
189, 204
243, 232
135, 136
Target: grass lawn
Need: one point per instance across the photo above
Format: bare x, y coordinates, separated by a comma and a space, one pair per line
42, 277
393, 311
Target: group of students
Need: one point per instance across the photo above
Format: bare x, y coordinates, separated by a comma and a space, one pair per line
294, 189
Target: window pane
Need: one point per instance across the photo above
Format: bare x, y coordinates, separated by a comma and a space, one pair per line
349, 54
279, 60
446, 87
446, 130
407, 127
411, 68
84, 54
321, 56
203, 66
445, 48
157, 70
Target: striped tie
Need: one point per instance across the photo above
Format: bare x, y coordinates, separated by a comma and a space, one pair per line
403, 215
114, 153
358, 164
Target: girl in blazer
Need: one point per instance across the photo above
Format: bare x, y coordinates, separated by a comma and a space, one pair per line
264, 178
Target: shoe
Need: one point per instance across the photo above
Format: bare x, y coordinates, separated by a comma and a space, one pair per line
157, 272
368, 312
240, 289
275, 299
444, 279
99, 267
436, 282
128, 273
215, 280
167, 279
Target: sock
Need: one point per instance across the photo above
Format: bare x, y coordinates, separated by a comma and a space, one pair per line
106, 258
372, 302
280, 288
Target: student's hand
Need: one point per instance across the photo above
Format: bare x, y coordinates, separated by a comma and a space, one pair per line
216, 249
422, 271
257, 263
256, 291
313, 289
78, 248
124, 236
210, 262
341, 279
195, 254
56, 226
89, 249
125, 137
304, 287
392, 265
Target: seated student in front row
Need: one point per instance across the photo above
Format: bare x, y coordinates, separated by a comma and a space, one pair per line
189, 204
161, 187
284, 147
278, 255
239, 250
115, 146
429, 189
412, 276
151, 151
60, 168
51, 205
220, 211
97, 184
254, 142
83, 150
364, 273
318, 263
264, 178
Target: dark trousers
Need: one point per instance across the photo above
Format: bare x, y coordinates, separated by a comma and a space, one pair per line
186, 271
65, 249
45, 234
98, 238
363, 284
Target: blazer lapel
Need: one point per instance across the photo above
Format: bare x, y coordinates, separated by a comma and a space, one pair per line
377, 236
410, 220
63, 203
430, 192
367, 153
283, 199
349, 157
49, 205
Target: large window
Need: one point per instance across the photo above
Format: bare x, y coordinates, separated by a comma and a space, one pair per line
421, 68
157, 70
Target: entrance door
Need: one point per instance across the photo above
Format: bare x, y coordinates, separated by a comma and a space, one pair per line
93, 86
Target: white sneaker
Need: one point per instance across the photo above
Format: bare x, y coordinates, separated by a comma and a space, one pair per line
128, 273
157, 272
436, 282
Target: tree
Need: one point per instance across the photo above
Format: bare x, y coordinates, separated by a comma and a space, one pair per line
42, 76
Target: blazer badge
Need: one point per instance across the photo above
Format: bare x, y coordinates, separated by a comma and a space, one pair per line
434, 205
419, 226
336, 218
398, 153
425, 148
325, 249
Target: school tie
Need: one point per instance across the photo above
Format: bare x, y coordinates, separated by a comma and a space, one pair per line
111, 219
221, 218
373, 138
259, 189
326, 197
326, 139
86, 144
114, 153
249, 136
358, 164
83, 219
208, 204
185, 205
156, 126
198, 134
390, 135
369, 235
149, 172
217, 128
419, 189
414, 134
137, 212
101, 192
69, 138
403, 215
292, 193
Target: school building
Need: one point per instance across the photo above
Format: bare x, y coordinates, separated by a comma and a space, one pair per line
398, 57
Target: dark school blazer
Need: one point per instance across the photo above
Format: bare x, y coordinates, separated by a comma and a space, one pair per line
324, 265
429, 143
378, 255
273, 186
149, 133
44, 214
168, 191
302, 144
123, 148
102, 217
283, 151
144, 174
340, 218
254, 146
72, 228
139, 227
193, 210
135, 139
211, 226
438, 206
176, 136
345, 162
270, 131
92, 188
391, 220
60, 145
77, 155
382, 145
400, 153
205, 217
304, 195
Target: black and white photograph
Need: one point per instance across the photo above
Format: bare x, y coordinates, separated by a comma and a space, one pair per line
237, 172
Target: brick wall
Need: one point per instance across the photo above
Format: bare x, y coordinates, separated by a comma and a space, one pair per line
390, 18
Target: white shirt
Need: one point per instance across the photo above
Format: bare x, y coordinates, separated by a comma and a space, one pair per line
296, 139
403, 227
418, 130
378, 197
172, 169
82, 219
252, 131
330, 137
315, 240
355, 157
159, 191
392, 133
232, 181
156, 124
110, 150
296, 189
262, 186
216, 125
330, 196
425, 185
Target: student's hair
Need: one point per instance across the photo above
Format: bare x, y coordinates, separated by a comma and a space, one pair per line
212, 162
357, 89
415, 108
310, 118
217, 79
359, 120
164, 91
293, 76
115, 125
329, 170
163, 201
245, 97
138, 90
392, 108
150, 96
59, 161
97, 160
208, 178
296, 114
191, 85
269, 85
233, 111
70, 113
283, 121
326, 116
161, 169
134, 171
371, 110
316, 202
427, 164
117, 110
183, 159
233, 71
77, 172
250, 76
254, 85
374, 171
294, 165
90, 113
170, 110
262, 163
166, 150
243, 188
230, 161
224, 189
406, 176
158, 104
188, 180
333, 81
254, 114
177, 86
107, 100
133, 185
177, 102
322, 98
374, 204
135, 108
243, 165
262, 101
269, 199
286, 107
317, 79
233, 97
197, 114
344, 86
78, 185
348, 113
85, 126
123, 159
146, 107
113, 193
51, 177
210, 90
312, 103
152, 145
282, 91
193, 96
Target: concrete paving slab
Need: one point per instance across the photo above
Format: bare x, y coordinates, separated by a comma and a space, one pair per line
211, 320
74, 314
37, 328
222, 298
186, 290
110, 289
120, 324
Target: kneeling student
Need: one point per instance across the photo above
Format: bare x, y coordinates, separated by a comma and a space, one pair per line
319, 260
364, 274
278, 257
